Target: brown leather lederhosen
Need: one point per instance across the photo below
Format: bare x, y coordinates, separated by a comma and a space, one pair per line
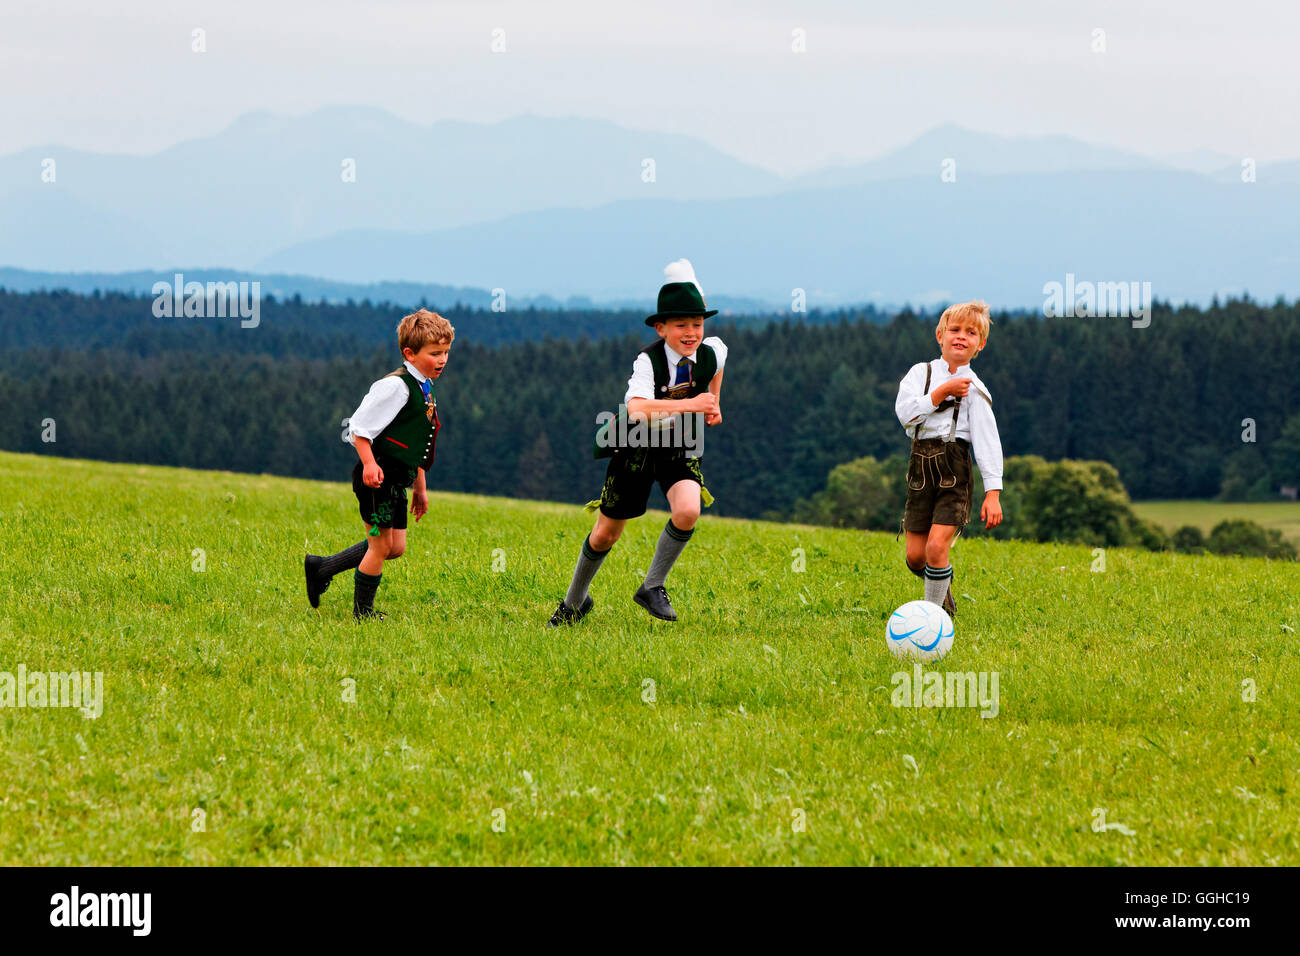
940, 479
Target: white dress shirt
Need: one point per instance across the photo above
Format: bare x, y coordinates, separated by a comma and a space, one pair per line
381, 405
642, 382
975, 421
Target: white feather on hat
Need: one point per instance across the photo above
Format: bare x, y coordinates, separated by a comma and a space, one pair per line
682, 271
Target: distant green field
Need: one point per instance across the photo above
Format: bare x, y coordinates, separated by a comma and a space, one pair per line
1172, 515
241, 727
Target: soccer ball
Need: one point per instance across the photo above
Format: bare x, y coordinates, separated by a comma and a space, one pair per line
919, 629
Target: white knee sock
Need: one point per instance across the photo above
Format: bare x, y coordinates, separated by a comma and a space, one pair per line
936, 583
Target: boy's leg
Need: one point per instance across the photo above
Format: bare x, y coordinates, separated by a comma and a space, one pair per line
320, 570
916, 553
345, 560
594, 549
684, 499
370, 572
396, 544
623, 497
938, 571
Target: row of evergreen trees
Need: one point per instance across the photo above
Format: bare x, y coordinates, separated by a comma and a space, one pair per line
1200, 402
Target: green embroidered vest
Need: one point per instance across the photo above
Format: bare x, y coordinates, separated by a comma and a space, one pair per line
410, 436
702, 372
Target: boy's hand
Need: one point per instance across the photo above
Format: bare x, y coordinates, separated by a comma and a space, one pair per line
991, 511
713, 418
419, 496
705, 402
953, 388
372, 475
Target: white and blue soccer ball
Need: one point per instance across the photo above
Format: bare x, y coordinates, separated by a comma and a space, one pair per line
920, 630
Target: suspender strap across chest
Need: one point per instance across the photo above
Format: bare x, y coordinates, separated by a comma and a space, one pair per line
954, 403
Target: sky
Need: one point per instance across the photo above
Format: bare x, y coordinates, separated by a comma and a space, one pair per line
1173, 78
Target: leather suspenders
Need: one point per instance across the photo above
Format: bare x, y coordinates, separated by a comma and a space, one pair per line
954, 404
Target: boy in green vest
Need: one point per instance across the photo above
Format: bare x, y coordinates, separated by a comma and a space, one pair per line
652, 441
393, 430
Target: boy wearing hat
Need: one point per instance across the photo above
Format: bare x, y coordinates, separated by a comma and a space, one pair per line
949, 413
652, 440
393, 430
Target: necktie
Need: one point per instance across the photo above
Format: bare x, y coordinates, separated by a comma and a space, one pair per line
683, 372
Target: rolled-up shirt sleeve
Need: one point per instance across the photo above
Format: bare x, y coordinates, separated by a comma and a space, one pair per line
913, 405
642, 382
985, 442
719, 349
377, 410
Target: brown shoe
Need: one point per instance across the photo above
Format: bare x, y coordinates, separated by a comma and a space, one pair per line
949, 604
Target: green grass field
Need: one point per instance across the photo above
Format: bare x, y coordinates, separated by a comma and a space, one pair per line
1172, 515
224, 693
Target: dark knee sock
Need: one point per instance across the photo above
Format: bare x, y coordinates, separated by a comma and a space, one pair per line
589, 562
671, 542
919, 572
363, 600
345, 560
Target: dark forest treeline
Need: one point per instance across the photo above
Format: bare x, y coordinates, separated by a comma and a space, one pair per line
293, 327
1164, 404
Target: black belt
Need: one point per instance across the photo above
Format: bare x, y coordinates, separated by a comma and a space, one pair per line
935, 442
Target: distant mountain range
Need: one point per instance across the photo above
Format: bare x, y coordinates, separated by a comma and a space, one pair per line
313, 289
552, 209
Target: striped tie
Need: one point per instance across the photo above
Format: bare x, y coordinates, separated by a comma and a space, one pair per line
683, 372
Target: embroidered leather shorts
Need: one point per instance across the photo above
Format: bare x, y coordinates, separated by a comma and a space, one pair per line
940, 482
633, 472
385, 506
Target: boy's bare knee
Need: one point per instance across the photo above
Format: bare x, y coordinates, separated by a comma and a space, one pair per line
605, 533
396, 551
684, 517
936, 555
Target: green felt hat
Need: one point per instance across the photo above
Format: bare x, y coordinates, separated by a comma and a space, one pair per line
680, 297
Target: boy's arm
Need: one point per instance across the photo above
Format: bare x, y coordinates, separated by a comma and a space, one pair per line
376, 411
986, 445
371, 473
419, 495
706, 402
715, 386
985, 442
911, 406
642, 383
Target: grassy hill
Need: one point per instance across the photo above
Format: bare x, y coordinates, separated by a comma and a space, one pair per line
1120, 691
1172, 515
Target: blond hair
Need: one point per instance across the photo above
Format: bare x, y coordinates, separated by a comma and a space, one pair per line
418, 329
975, 311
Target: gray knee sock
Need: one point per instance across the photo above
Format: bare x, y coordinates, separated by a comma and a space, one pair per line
671, 541
589, 562
345, 560
936, 583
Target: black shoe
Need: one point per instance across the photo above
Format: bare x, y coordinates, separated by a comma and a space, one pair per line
949, 604
316, 585
370, 615
567, 615
655, 600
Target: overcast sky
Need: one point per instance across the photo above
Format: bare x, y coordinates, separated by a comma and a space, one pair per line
1176, 76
